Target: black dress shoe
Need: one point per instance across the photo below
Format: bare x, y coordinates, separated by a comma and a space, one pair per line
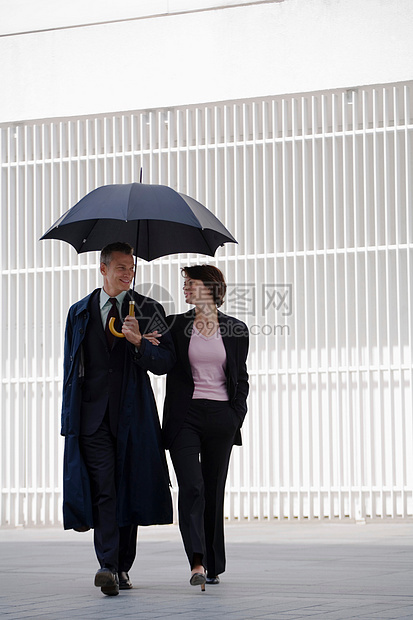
82, 528
212, 580
107, 581
124, 581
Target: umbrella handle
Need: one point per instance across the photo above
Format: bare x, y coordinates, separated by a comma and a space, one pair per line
112, 321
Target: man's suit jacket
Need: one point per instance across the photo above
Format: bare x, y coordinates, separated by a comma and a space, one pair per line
180, 383
103, 376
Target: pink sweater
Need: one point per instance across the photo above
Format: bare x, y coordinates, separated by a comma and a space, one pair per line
208, 360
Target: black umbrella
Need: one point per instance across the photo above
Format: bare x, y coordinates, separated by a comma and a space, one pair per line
154, 219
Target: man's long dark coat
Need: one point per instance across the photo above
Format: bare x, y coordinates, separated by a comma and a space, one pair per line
142, 474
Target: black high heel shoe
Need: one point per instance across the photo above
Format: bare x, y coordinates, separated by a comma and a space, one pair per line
198, 579
212, 580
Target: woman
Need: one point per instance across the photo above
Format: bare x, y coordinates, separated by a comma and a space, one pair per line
205, 406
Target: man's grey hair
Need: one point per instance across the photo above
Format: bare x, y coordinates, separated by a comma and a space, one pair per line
118, 246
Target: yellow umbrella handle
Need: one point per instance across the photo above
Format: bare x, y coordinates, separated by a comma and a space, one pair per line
112, 321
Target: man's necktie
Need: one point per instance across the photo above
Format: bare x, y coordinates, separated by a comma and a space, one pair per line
113, 312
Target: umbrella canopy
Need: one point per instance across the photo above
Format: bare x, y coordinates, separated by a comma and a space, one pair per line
154, 219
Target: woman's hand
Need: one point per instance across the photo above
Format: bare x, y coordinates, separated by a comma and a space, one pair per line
153, 337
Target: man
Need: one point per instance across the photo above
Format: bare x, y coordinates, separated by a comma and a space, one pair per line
115, 472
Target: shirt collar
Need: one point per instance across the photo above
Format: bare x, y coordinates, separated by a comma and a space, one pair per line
104, 297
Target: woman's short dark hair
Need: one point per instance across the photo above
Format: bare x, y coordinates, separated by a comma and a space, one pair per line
211, 277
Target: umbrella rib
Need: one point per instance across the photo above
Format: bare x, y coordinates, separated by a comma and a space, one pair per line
206, 241
85, 238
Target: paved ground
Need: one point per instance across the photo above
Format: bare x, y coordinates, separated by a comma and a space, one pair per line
274, 570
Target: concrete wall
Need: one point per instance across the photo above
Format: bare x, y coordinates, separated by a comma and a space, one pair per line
79, 58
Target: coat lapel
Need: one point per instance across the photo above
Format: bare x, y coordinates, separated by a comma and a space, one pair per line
95, 313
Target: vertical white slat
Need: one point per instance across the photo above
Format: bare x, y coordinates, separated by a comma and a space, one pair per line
19, 429
378, 200
58, 467
86, 158
50, 321
318, 203
398, 421
321, 242
178, 142
9, 338
278, 512
188, 137
236, 231
338, 286
200, 154
27, 235
114, 140
135, 165
67, 297
20, 291
6, 373
43, 307
357, 414
226, 210
290, 251
149, 146
170, 147
208, 150
347, 419
46, 336
217, 177
3, 419
368, 231
409, 372
298, 234
47, 314
52, 333
253, 178
267, 422
389, 431
230, 496
309, 244
334, 451
243, 238
30, 488
296, 413
158, 145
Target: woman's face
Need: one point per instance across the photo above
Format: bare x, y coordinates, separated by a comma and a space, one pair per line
196, 292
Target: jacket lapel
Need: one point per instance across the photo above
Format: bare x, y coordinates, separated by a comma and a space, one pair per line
183, 330
224, 328
229, 344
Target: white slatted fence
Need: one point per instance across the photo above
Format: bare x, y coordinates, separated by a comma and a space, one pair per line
317, 188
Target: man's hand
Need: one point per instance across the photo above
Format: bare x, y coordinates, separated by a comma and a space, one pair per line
131, 331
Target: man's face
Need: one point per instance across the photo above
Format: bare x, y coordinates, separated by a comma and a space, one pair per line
118, 275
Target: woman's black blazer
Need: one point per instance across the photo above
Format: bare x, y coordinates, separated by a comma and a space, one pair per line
179, 381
